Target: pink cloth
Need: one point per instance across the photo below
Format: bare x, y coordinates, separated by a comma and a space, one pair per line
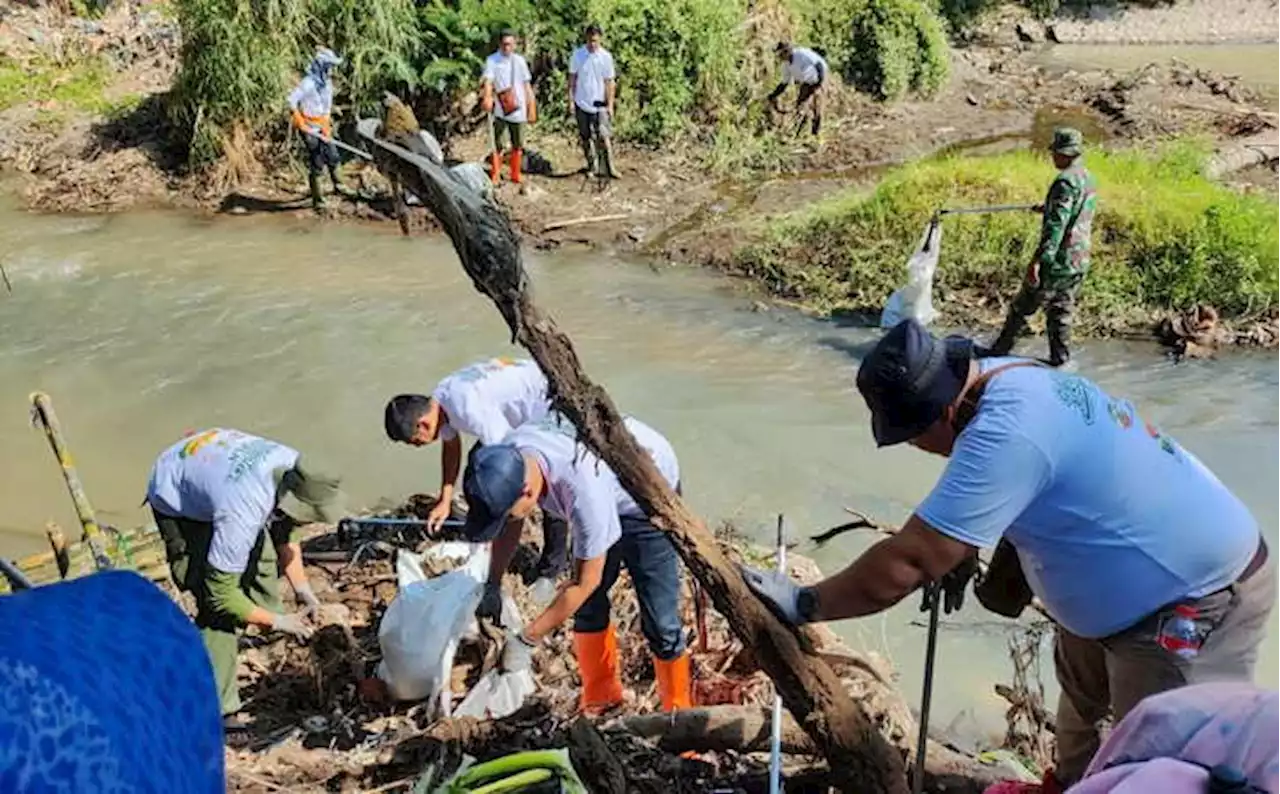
1208, 724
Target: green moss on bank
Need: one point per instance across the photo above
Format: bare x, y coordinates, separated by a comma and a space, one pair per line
1164, 238
78, 85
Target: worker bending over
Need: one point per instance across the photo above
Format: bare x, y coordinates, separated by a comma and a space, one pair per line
486, 400
808, 70
542, 464
213, 495
1154, 572
312, 104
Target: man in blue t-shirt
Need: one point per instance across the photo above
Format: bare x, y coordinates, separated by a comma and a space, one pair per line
1114, 525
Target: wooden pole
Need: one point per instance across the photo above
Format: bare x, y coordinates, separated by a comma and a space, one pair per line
43, 414
860, 758
58, 542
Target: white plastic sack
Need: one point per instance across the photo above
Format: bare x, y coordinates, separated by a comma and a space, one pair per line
915, 298
499, 693
419, 632
473, 176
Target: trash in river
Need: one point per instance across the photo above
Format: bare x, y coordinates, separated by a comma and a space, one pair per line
915, 299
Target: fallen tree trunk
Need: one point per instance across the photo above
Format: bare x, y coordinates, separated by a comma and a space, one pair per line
860, 758
747, 729
1257, 150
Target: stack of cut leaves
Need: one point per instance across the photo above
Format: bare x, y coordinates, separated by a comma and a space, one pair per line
539, 770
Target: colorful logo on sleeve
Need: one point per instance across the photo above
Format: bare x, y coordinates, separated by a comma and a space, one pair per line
195, 442
1074, 392
1123, 414
484, 369
1120, 413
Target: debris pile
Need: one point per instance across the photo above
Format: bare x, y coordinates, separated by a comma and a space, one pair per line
320, 720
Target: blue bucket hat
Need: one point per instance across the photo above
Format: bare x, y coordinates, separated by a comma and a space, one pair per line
492, 484
909, 378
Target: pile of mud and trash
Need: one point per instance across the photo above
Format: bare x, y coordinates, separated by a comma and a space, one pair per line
320, 717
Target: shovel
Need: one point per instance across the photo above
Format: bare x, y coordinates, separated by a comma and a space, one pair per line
926, 695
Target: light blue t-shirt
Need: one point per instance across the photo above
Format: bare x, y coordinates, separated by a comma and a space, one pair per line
1112, 520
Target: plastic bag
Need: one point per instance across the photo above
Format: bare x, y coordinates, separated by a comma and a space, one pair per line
420, 631
915, 298
499, 693
473, 176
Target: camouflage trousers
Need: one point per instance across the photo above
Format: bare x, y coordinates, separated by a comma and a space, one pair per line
1058, 301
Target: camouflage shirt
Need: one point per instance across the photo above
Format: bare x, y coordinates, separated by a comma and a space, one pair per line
1068, 219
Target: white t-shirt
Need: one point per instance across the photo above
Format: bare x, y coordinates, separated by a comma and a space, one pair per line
314, 101
491, 398
803, 66
593, 70
1111, 518
581, 489
224, 477
505, 72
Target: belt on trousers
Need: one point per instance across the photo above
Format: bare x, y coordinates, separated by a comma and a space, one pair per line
1255, 564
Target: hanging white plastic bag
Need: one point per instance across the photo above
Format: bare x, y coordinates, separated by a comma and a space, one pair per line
915, 298
499, 693
419, 632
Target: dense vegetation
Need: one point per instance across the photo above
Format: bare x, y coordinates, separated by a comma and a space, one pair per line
1164, 237
685, 65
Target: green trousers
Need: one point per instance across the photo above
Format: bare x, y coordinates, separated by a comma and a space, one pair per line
187, 550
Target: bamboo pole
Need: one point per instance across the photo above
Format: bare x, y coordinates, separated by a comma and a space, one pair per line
58, 542
859, 757
42, 413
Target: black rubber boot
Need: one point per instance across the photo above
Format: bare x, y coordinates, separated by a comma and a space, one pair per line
1059, 344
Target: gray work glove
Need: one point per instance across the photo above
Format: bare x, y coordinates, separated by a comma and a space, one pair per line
291, 624
307, 598
491, 602
517, 655
777, 590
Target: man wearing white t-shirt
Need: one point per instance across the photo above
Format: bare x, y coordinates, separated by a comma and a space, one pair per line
507, 87
809, 71
486, 400
542, 465
214, 495
592, 87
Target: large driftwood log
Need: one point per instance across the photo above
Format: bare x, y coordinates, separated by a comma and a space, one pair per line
860, 758
1257, 150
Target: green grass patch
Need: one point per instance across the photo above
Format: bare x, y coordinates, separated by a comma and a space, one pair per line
77, 86
1164, 238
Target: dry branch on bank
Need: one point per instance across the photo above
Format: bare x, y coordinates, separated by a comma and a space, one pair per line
859, 757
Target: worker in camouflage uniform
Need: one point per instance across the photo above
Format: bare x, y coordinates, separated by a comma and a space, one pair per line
1062, 258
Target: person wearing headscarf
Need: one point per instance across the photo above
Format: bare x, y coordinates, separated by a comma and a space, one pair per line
311, 103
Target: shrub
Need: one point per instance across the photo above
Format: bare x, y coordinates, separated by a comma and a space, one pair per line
886, 48
1164, 237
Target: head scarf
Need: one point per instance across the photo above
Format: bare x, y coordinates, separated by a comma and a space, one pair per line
322, 64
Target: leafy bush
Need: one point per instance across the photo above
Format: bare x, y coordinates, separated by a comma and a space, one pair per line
1164, 237
884, 47
963, 14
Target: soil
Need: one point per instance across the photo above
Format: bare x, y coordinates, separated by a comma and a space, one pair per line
667, 204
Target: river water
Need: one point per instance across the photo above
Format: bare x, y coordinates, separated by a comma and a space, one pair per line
142, 326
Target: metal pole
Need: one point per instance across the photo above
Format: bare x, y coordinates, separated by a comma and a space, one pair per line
775, 745
337, 143
931, 649
17, 579
42, 413
993, 208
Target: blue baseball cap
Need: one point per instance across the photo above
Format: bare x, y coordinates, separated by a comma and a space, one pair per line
909, 378
492, 484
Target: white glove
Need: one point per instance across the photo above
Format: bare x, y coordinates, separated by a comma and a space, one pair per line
291, 624
777, 589
543, 591
307, 597
517, 655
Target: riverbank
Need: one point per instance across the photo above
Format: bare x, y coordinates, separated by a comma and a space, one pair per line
703, 200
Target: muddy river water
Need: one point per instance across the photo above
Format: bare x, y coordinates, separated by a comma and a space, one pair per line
142, 326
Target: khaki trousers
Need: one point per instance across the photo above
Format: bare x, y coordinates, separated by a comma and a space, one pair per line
1109, 676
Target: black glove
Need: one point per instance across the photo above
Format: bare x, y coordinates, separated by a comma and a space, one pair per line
491, 603
952, 586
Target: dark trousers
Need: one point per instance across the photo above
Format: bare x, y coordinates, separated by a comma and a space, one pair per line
1058, 300
555, 547
320, 155
812, 93
654, 566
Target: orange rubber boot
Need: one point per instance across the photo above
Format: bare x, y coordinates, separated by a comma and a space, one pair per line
597, 653
495, 167
517, 159
674, 684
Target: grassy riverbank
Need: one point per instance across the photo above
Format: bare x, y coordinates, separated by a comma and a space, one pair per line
1164, 238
